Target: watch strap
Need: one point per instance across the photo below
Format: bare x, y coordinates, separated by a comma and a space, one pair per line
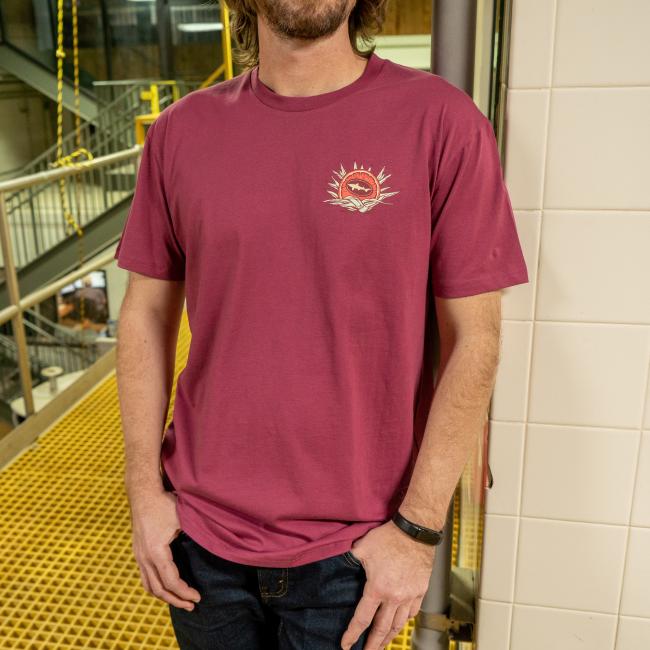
420, 533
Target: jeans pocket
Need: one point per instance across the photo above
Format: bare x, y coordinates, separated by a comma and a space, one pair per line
353, 561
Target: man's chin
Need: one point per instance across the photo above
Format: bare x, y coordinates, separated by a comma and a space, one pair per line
288, 21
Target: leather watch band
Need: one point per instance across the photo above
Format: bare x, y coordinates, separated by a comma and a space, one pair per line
421, 533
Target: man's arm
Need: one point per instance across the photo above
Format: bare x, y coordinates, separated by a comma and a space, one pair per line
146, 351
469, 353
398, 568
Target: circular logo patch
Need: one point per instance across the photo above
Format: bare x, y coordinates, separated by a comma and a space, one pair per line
358, 189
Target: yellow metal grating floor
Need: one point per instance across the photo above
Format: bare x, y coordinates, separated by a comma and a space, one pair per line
68, 579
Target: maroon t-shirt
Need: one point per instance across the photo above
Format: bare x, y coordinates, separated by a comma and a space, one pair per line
312, 234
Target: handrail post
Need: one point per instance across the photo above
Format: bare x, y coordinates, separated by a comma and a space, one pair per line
13, 290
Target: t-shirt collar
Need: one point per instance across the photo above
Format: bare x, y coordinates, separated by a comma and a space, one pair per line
302, 103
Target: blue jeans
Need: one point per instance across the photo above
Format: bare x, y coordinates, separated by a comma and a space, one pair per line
245, 607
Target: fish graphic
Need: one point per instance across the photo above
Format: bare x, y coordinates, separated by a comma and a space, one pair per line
358, 188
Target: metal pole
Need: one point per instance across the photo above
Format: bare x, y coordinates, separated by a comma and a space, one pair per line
17, 319
454, 36
436, 600
165, 45
106, 35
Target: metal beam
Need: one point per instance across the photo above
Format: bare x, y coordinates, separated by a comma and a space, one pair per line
37, 76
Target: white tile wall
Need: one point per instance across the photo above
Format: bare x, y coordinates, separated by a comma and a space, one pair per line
493, 623
566, 564
641, 505
570, 565
589, 373
633, 634
579, 473
599, 42
594, 135
578, 278
499, 552
646, 420
509, 399
518, 301
635, 601
532, 38
525, 141
505, 455
546, 628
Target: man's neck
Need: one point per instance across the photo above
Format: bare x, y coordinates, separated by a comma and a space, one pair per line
302, 70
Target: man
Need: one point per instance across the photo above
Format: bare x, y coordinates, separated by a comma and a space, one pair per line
314, 211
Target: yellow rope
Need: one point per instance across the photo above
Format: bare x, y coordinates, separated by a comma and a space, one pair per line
72, 224
68, 161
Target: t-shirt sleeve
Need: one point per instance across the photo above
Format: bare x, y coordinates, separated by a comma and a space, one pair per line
475, 247
149, 243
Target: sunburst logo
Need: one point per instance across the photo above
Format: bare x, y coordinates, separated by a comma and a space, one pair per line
358, 189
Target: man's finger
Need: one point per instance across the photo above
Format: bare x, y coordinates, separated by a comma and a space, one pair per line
144, 579
401, 616
170, 577
415, 607
381, 625
159, 591
362, 618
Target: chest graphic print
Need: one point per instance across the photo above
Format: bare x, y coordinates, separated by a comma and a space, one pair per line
358, 189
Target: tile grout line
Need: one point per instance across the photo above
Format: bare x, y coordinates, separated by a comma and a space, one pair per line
535, 300
634, 484
580, 522
577, 323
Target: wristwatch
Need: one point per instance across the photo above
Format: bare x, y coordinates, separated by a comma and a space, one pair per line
422, 534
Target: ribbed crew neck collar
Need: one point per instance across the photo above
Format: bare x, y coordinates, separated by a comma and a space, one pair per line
303, 103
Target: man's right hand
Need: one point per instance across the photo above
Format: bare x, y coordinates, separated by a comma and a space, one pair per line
155, 524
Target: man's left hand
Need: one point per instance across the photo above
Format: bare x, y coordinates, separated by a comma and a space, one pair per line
398, 569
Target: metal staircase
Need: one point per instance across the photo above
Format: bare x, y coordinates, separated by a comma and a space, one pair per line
27, 51
44, 246
57, 223
98, 198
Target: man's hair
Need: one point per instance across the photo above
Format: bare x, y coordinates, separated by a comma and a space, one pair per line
366, 20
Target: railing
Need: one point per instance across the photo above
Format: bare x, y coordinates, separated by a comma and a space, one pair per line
35, 213
59, 334
107, 92
67, 350
9, 382
112, 133
18, 305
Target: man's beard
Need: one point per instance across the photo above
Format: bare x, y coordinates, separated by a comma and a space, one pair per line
305, 19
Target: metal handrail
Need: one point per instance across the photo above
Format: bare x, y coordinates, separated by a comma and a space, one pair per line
18, 305
59, 332
47, 291
60, 172
32, 211
69, 141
